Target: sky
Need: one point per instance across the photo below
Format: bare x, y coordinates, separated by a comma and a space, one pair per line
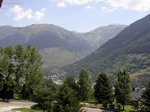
74, 15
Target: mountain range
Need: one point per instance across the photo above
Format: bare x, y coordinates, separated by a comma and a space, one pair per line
57, 45
42, 36
129, 50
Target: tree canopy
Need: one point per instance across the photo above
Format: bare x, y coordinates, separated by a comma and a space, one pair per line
20, 71
103, 89
84, 86
123, 88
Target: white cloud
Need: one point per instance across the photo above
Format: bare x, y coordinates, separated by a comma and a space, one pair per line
138, 5
61, 4
88, 7
20, 13
76, 2
64, 3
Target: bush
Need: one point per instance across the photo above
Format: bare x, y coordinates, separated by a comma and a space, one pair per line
118, 106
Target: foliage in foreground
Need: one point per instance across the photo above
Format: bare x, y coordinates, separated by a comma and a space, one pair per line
84, 86
45, 94
123, 88
21, 77
67, 100
103, 89
20, 71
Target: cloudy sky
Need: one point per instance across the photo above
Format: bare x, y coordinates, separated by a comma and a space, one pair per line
77, 15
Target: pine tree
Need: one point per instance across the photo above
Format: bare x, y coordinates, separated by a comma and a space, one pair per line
44, 95
85, 86
123, 88
71, 83
103, 89
67, 100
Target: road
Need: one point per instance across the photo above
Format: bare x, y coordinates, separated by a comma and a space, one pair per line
7, 107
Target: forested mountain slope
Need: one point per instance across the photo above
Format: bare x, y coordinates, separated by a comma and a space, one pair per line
130, 50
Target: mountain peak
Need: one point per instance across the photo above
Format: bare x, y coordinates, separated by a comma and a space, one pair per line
100, 35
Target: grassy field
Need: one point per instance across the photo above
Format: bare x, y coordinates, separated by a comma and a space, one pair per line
128, 108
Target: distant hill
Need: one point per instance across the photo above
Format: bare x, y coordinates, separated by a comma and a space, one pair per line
130, 50
99, 36
58, 46
42, 36
58, 57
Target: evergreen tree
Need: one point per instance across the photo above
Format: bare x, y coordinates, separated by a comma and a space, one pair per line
67, 100
84, 86
45, 95
71, 83
146, 98
123, 88
103, 89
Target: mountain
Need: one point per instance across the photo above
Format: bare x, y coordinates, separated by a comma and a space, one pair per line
58, 57
42, 36
48, 35
130, 50
101, 35
58, 46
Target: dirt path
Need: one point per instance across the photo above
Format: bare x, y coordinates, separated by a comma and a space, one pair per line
7, 107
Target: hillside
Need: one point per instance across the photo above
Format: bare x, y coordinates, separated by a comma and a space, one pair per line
42, 36
128, 50
47, 35
58, 46
101, 35
58, 57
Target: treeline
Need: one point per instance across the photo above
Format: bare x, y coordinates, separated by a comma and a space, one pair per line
69, 96
66, 97
21, 78
20, 72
